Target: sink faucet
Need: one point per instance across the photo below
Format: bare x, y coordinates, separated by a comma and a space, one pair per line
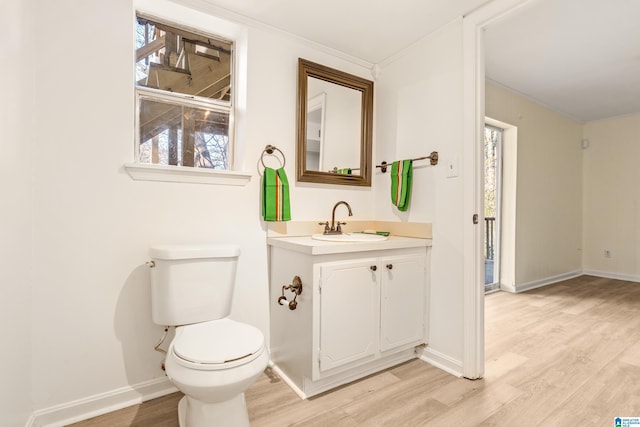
336, 228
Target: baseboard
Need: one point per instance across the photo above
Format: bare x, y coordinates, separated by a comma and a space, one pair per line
566, 276
327, 382
92, 406
546, 281
287, 380
612, 275
442, 361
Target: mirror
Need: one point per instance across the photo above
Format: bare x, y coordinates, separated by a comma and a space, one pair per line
335, 126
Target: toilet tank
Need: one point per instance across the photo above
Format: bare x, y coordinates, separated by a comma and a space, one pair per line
192, 284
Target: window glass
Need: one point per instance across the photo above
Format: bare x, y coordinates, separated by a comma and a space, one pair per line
175, 134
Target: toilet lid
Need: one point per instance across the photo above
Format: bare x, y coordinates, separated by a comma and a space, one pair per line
218, 342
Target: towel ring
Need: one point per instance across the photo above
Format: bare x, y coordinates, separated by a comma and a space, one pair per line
270, 149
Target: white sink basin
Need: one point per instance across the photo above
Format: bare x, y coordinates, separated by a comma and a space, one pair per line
350, 237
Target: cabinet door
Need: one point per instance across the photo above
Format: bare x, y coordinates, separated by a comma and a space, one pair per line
349, 306
402, 306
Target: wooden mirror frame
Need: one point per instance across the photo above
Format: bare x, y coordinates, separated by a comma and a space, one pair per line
308, 69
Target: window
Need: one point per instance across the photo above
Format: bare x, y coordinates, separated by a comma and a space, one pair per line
184, 97
492, 194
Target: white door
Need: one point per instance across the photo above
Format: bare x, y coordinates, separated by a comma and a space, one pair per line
349, 306
402, 314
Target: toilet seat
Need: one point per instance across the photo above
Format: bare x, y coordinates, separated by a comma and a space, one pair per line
217, 344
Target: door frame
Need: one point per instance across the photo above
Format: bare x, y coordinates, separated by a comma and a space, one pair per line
473, 130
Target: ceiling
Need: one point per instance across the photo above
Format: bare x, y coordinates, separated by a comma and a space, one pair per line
577, 57
371, 30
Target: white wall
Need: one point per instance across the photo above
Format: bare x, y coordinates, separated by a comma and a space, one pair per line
419, 110
611, 201
549, 187
15, 225
92, 330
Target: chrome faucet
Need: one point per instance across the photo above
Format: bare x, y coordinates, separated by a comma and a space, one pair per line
335, 228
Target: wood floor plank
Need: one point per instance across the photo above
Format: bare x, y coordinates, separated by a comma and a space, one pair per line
356, 390
160, 412
567, 354
479, 406
391, 404
632, 354
502, 364
600, 398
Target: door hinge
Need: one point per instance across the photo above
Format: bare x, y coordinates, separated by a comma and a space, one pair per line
475, 218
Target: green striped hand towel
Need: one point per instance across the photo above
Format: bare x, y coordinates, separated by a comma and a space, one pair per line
401, 177
275, 195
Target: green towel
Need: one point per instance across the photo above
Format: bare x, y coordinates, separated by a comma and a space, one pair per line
275, 195
401, 177
345, 171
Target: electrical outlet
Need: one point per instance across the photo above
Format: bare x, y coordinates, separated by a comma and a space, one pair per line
607, 253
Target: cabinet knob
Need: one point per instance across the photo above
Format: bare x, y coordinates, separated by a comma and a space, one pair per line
389, 266
373, 268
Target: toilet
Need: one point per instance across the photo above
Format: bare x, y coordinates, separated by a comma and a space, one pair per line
211, 359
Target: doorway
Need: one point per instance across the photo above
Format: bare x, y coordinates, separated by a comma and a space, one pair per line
493, 137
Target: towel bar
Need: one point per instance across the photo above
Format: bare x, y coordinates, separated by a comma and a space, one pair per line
433, 157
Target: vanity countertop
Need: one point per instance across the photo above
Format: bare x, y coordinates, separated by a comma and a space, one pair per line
308, 245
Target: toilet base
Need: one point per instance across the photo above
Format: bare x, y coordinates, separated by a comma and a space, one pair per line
230, 413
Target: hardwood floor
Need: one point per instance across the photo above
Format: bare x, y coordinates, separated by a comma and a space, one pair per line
567, 354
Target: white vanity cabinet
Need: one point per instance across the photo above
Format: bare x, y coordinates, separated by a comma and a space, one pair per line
363, 308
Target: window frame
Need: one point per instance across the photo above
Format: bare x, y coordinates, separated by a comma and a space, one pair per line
184, 100
176, 173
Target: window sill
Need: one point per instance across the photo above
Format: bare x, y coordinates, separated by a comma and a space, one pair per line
144, 172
